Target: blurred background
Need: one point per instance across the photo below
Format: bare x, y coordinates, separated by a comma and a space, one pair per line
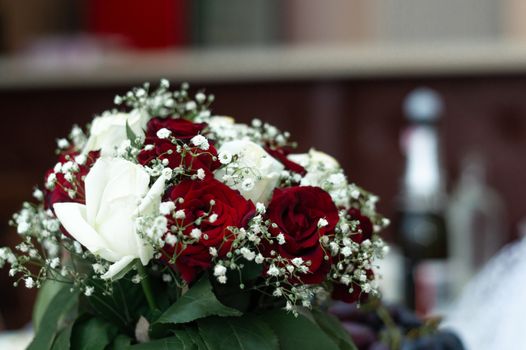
422, 101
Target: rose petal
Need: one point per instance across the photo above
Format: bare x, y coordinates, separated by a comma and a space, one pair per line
118, 266
73, 217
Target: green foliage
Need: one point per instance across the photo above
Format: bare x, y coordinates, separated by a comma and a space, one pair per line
231, 295
92, 333
177, 342
46, 293
62, 341
197, 320
122, 307
121, 342
182, 338
333, 328
55, 319
199, 302
134, 140
243, 333
297, 332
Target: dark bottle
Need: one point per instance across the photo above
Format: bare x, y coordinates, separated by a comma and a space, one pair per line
421, 227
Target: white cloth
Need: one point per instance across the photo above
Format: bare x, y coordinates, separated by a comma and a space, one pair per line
490, 314
16, 340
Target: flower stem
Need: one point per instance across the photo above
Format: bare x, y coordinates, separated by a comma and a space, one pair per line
146, 287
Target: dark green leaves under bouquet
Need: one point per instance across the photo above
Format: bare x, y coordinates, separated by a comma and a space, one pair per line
247, 332
197, 320
197, 303
200, 321
272, 330
55, 320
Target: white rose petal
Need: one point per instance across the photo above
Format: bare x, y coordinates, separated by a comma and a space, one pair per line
319, 166
263, 168
117, 191
109, 131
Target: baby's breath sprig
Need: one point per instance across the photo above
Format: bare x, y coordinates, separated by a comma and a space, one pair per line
161, 102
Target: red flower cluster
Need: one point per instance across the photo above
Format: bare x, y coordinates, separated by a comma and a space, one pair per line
297, 211
183, 130
232, 211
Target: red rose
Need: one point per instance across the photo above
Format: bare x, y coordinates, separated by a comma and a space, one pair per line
281, 155
365, 226
183, 130
296, 211
59, 193
231, 209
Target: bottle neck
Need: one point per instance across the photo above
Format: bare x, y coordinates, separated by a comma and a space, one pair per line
423, 185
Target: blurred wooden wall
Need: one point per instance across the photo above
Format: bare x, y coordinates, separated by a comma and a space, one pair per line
358, 121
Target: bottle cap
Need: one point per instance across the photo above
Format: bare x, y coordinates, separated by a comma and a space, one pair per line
423, 105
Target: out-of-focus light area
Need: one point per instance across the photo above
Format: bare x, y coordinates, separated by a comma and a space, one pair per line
91, 42
422, 101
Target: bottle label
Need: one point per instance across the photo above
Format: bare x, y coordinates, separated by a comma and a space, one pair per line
432, 286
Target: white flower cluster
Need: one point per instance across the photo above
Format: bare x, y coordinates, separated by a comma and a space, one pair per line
162, 102
223, 129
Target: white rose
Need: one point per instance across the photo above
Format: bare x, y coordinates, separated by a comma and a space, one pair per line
315, 159
256, 164
117, 191
319, 166
109, 131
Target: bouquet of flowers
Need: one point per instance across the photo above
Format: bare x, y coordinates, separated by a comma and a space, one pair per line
163, 226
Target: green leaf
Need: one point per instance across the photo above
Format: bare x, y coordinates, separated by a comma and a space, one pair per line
233, 333
194, 334
122, 308
297, 332
130, 134
121, 342
45, 294
62, 341
333, 328
251, 270
199, 302
124, 271
182, 340
231, 295
54, 318
92, 334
